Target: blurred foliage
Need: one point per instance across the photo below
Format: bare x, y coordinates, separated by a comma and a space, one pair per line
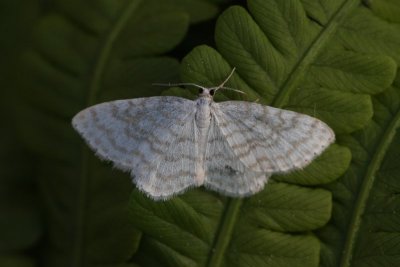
333, 59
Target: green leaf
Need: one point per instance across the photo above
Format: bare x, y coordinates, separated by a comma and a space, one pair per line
330, 165
333, 60
387, 9
284, 59
345, 112
21, 225
182, 232
20, 216
376, 35
83, 54
266, 68
364, 229
16, 261
351, 72
379, 235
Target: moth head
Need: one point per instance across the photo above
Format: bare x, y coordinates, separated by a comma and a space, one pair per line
206, 92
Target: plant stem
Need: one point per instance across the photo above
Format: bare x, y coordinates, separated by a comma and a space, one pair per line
225, 232
368, 182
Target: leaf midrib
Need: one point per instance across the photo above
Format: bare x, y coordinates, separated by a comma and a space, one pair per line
297, 73
368, 182
94, 88
232, 208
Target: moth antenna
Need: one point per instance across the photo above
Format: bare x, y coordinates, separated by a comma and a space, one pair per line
226, 80
178, 84
232, 89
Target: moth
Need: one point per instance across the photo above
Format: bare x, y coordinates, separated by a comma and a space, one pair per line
169, 144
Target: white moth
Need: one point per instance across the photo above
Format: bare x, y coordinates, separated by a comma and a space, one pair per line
170, 144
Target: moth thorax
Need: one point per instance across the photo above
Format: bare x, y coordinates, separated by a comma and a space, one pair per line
203, 112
